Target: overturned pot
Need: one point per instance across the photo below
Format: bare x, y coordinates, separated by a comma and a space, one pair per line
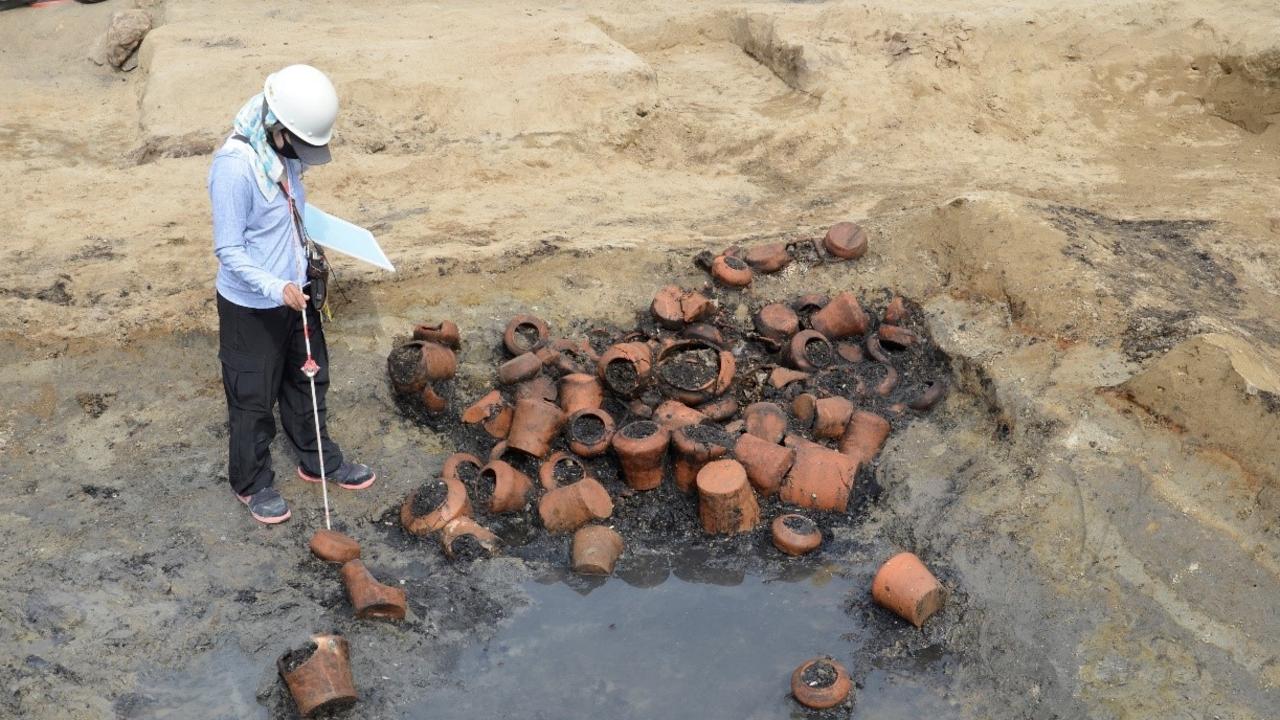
641, 448
589, 432
864, 436
535, 423
370, 598
580, 391
777, 321
826, 417
674, 307
573, 497
766, 463
726, 503
432, 506
905, 586
695, 446
846, 240
509, 488
766, 420
333, 546
595, 550
841, 318
319, 675
819, 479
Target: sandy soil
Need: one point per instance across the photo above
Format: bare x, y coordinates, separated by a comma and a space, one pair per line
1081, 195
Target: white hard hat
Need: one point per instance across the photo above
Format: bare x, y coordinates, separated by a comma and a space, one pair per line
304, 101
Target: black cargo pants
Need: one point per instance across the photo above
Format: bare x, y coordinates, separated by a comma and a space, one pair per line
262, 352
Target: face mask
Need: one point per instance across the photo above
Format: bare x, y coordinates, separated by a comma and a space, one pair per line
284, 147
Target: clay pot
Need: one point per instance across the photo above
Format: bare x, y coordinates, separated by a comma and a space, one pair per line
444, 333
846, 240
456, 504
807, 305
595, 550
890, 381
876, 352
492, 412
782, 377
777, 322
850, 352
731, 271
511, 488
821, 694
641, 447
466, 527
690, 455
567, 508
933, 392
370, 598
639, 409
766, 420
583, 443
809, 350
574, 356
719, 409
323, 681
864, 437
905, 586
519, 368
826, 417
766, 463
333, 546
820, 479
674, 307
706, 333
795, 534
726, 503
768, 258
841, 318
432, 401
579, 391
896, 311
893, 337
535, 423
539, 387
624, 368
674, 415
670, 356
452, 466
407, 377
525, 333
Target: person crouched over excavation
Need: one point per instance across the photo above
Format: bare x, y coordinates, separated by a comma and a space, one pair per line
265, 267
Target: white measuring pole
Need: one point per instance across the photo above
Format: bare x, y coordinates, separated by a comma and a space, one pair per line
310, 368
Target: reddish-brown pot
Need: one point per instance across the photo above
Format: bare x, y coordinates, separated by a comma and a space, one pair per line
533, 426
731, 271
666, 307
492, 412
896, 337
905, 586
706, 333
896, 311
574, 356
583, 443
434, 402
766, 463
726, 503
769, 258
777, 322
407, 377
465, 526
370, 598
690, 455
641, 447
596, 549
579, 391
323, 681
820, 479
673, 415
539, 386
810, 350
890, 381
333, 546
841, 318
511, 488
636, 358
850, 352
827, 417
569, 507
781, 377
719, 409
809, 304
766, 420
725, 369
821, 696
795, 534
445, 333
519, 368
456, 504
517, 333
846, 240
864, 437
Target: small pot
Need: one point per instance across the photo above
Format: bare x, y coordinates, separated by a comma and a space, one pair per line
444, 333
890, 381
624, 368
827, 417
540, 387
809, 304
432, 401
574, 356
720, 409
323, 681
595, 550
690, 455
726, 503
519, 368
567, 508
535, 423
452, 466
674, 307
841, 318
781, 377
810, 350
673, 415
583, 444
641, 447
795, 534
409, 375
769, 258
876, 352
846, 240
777, 322
456, 504
830, 691
579, 391
370, 598
466, 527
864, 437
933, 392
820, 479
525, 333
896, 311
706, 333
850, 352
731, 271
766, 463
893, 337
726, 367
333, 546
905, 586
511, 488
492, 412
766, 420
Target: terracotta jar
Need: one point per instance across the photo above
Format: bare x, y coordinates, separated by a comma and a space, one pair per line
765, 420
768, 258
574, 356
540, 387
370, 598
333, 546
777, 322
896, 311
444, 333
321, 682
905, 586
781, 377
809, 304
492, 412
821, 683
841, 318
846, 240
455, 504
795, 534
896, 338
453, 466
432, 401
706, 333
462, 529
685, 381
579, 391
405, 368
624, 368
673, 415
695, 446
890, 381
766, 463
731, 271
510, 488
933, 392
525, 333
589, 432
595, 550
864, 437
674, 307
565, 508
535, 423
826, 417
726, 503
519, 368
719, 409
850, 352
810, 350
820, 479
641, 447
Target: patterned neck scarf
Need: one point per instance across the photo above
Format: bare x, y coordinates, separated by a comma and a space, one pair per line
252, 122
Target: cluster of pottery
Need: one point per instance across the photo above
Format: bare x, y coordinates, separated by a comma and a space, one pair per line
736, 267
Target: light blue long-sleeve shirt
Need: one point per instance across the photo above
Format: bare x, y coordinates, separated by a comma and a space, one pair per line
255, 241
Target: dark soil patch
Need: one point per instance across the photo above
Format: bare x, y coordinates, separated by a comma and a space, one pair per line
1152, 332
587, 429
819, 675
640, 429
800, 524
403, 363
466, 548
94, 404
567, 472
622, 377
690, 370
819, 352
429, 497
295, 658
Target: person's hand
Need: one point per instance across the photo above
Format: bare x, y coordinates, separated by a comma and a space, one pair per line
294, 297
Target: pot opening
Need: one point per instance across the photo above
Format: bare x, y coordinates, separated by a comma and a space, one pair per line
735, 262
568, 471
403, 364
819, 675
690, 370
297, 657
430, 496
527, 335
588, 429
622, 376
640, 430
819, 352
800, 524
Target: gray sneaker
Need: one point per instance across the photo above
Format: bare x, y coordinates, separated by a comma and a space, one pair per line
266, 506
